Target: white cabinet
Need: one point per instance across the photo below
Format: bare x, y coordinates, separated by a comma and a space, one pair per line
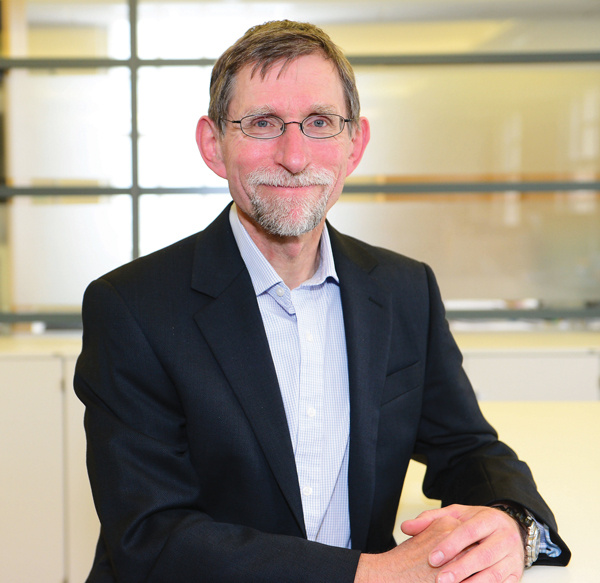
48, 525
82, 526
32, 502
534, 375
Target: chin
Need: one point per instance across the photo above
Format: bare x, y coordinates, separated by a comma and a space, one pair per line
289, 216
286, 226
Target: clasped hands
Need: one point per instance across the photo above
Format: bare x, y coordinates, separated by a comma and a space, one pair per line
450, 545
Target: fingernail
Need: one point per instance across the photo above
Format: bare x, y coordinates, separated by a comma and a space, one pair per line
435, 559
446, 578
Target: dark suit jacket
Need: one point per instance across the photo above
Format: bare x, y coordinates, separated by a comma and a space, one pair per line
189, 453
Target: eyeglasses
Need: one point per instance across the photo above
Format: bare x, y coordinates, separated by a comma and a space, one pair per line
266, 127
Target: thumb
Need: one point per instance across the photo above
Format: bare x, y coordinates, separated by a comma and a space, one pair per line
416, 525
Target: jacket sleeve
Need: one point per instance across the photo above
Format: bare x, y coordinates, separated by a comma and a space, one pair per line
466, 463
146, 491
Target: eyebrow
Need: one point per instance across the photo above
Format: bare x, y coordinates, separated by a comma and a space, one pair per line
260, 110
316, 108
324, 108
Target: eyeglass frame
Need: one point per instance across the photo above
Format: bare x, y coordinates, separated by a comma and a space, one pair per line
286, 123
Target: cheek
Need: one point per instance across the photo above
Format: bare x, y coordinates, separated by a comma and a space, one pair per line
333, 156
239, 153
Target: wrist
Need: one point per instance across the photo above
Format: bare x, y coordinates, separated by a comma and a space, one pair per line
530, 532
364, 569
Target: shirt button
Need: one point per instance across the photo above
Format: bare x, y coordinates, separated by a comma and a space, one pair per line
309, 337
307, 490
311, 411
280, 292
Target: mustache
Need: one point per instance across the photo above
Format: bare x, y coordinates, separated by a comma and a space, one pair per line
283, 178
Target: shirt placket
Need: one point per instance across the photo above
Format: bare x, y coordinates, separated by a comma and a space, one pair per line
309, 452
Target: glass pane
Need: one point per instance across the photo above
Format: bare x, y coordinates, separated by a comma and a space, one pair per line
68, 127
461, 33
171, 100
166, 219
58, 245
506, 246
4, 258
517, 122
179, 28
68, 28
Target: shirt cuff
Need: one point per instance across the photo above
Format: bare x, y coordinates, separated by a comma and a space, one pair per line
547, 547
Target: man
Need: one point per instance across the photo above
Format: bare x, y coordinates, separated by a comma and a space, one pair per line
255, 392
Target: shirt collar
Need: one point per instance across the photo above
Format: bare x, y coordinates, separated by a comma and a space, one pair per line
263, 276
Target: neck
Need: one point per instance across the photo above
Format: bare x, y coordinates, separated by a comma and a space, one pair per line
295, 259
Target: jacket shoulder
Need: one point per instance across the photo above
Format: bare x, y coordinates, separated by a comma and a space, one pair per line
158, 264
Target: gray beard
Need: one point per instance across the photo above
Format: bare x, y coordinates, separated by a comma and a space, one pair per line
289, 216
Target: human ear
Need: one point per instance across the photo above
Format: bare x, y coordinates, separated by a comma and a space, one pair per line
360, 139
208, 138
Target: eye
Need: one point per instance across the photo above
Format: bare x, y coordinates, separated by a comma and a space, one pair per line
262, 122
320, 122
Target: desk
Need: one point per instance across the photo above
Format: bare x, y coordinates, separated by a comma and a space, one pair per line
566, 466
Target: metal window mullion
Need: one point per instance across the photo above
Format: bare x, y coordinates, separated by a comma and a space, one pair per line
477, 59
356, 60
350, 188
472, 187
135, 184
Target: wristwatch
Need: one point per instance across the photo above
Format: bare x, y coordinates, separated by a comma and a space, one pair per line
530, 529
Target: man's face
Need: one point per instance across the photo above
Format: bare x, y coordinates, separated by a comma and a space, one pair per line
287, 184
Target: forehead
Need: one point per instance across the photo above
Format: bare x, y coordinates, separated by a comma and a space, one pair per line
297, 86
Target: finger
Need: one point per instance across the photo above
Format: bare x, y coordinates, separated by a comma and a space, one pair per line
507, 570
416, 525
461, 538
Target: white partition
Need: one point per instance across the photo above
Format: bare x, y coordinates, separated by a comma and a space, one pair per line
526, 375
31, 458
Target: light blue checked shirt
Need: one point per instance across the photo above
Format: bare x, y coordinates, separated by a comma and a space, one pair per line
305, 330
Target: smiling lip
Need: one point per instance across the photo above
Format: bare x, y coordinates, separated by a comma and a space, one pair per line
291, 187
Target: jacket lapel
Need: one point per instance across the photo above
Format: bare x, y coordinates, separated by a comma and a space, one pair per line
232, 325
367, 321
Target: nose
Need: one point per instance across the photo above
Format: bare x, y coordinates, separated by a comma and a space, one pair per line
292, 149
